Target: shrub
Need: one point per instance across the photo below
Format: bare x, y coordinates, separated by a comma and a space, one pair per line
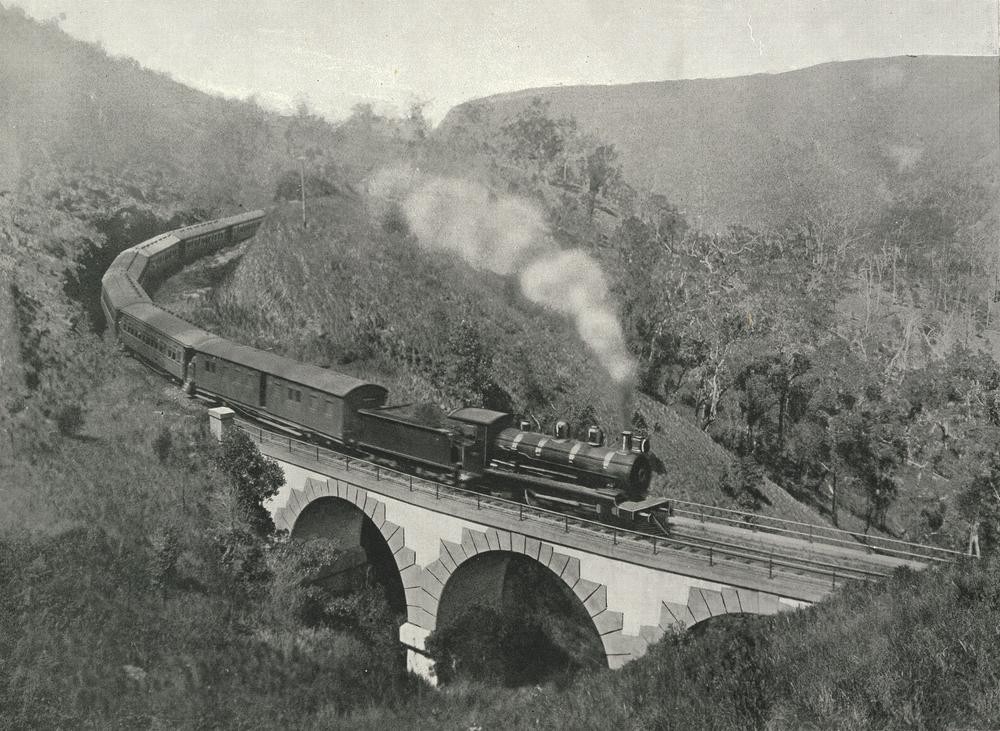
69, 419
252, 477
163, 443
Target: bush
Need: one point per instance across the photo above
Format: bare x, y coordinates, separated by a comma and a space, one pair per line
252, 478
163, 443
69, 419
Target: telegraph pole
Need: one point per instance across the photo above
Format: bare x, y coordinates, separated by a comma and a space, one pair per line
302, 186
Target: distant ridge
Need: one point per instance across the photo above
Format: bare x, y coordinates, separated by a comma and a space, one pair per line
756, 149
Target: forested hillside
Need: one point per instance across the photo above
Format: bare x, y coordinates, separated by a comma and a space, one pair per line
800, 257
832, 359
757, 150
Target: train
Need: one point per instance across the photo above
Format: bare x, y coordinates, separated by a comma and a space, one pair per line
477, 447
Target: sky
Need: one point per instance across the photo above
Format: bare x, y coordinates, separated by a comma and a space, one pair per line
335, 54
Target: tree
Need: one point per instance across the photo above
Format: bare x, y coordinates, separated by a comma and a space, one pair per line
534, 137
471, 363
667, 221
252, 479
603, 168
417, 119
845, 431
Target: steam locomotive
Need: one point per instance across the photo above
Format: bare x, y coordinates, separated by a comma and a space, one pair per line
477, 446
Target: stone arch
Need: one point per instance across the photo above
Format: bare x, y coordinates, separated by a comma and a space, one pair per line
325, 507
703, 604
423, 595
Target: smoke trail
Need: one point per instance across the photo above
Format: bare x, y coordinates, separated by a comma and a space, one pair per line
508, 236
572, 283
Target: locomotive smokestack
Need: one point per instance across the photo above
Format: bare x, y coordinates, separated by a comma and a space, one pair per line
625, 403
626, 441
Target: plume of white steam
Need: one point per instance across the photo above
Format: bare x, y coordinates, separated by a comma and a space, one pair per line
572, 283
508, 236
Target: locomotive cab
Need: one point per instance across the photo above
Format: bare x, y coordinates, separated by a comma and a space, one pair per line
479, 429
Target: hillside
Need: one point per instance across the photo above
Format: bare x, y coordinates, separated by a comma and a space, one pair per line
759, 149
137, 593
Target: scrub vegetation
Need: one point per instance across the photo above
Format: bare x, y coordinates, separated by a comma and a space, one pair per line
823, 369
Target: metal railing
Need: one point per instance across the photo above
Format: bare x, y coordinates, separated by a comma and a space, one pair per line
814, 533
625, 540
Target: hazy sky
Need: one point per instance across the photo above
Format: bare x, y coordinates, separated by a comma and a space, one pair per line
337, 53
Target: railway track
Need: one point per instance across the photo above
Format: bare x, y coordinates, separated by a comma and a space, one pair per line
764, 553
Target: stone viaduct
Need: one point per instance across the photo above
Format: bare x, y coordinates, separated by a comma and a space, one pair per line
451, 548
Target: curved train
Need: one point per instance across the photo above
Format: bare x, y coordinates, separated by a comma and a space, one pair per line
473, 445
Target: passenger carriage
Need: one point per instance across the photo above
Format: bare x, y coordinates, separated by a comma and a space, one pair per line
321, 401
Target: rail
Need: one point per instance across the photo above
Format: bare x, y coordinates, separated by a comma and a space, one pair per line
814, 533
625, 539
